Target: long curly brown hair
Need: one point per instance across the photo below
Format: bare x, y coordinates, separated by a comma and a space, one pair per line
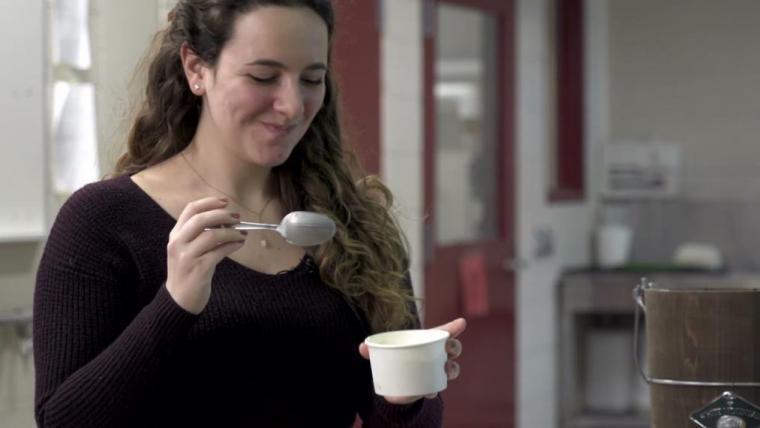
367, 260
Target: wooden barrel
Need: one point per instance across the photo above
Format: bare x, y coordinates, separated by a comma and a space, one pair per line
703, 336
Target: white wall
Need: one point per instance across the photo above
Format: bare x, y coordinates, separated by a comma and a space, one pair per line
569, 223
687, 72
121, 31
22, 102
402, 138
23, 189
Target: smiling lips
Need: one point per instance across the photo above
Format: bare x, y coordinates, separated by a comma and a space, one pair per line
278, 130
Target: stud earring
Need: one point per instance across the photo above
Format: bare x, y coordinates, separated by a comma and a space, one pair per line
196, 86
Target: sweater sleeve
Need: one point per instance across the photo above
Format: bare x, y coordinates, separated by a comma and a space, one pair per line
423, 413
95, 349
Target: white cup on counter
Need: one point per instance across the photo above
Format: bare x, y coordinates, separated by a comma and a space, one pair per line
613, 245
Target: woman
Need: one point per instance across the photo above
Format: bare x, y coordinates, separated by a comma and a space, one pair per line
148, 312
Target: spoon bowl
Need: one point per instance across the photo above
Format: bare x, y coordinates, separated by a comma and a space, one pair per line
302, 228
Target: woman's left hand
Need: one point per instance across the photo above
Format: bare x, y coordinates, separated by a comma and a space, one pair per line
453, 349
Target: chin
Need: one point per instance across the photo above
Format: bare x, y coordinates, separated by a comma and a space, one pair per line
273, 158
270, 152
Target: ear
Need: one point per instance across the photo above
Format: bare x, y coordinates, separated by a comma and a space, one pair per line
194, 68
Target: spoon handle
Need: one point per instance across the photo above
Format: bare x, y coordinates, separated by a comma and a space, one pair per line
246, 225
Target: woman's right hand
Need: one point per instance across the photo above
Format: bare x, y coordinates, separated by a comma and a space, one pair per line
193, 253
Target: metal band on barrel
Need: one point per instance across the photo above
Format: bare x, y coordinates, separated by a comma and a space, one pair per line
638, 296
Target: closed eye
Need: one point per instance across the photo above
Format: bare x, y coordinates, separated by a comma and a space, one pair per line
273, 79
264, 80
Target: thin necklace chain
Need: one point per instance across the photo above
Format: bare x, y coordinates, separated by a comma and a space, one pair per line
259, 214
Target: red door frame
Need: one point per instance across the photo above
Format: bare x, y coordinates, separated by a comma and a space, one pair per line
569, 140
443, 302
505, 199
356, 64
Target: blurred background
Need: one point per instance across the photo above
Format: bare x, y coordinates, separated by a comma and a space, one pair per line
544, 154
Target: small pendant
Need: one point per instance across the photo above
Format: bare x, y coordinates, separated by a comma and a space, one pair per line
264, 243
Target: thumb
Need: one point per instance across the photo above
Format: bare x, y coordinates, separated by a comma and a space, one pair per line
455, 328
364, 350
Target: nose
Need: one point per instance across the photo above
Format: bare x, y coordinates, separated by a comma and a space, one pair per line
289, 100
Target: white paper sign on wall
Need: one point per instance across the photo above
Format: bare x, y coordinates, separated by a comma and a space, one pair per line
641, 170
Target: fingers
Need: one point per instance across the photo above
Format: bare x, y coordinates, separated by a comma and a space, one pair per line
189, 242
207, 249
214, 253
401, 400
408, 400
452, 369
364, 350
210, 240
199, 206
453, 348
195, 226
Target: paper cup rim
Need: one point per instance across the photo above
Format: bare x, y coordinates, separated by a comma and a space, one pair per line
435, 336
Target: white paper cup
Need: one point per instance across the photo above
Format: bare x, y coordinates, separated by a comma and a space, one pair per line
613, 245
408, 362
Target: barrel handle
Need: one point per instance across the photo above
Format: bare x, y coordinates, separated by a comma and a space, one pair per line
638, 297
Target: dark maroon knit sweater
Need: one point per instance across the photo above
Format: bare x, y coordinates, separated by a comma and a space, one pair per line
113, 349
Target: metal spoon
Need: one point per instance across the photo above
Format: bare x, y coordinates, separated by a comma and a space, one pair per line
302, 228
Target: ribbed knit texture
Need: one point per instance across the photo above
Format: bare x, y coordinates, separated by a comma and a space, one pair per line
113, 349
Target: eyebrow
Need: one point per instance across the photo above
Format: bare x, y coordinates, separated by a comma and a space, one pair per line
276, 64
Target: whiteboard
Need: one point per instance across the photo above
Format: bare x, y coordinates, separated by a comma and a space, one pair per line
23, 124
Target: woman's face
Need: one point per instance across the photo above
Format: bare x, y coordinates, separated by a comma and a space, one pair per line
269, 82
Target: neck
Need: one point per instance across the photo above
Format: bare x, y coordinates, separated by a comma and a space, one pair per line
219, 171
